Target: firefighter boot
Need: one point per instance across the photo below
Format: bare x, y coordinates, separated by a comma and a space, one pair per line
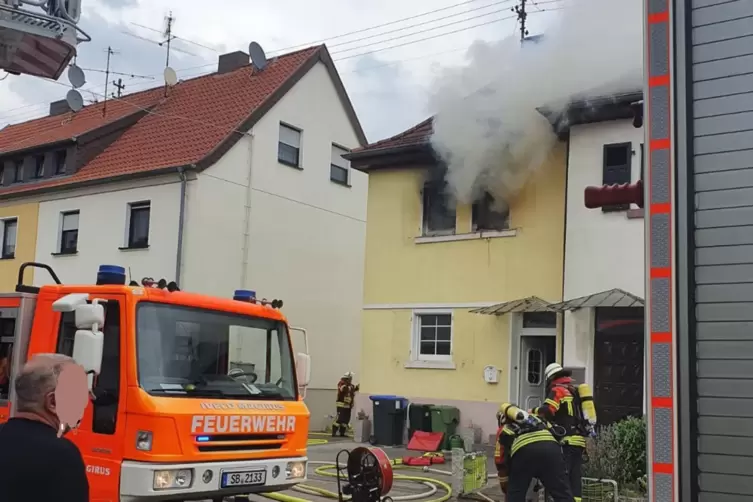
343, 429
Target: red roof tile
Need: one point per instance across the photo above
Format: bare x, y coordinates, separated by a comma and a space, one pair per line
46, 130
417, 135
198, 118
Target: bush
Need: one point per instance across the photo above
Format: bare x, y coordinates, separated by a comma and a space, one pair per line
618, 452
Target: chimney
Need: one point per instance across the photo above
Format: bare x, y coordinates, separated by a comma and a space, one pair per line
59, 107
232, 61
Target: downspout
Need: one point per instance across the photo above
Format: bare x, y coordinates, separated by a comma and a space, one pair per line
247, 216
564, 246
181, 221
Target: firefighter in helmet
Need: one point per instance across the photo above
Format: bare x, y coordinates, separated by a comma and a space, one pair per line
346, 393
562, 408
527, 450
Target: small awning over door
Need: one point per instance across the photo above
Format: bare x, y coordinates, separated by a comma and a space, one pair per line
530, 304
611, 298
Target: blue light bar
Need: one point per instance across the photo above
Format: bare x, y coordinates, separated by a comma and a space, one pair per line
202, 439
111, 274
244, 295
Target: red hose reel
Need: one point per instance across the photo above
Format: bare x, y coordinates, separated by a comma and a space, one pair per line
368, 472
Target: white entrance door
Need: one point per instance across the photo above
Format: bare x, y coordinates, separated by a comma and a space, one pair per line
537, 350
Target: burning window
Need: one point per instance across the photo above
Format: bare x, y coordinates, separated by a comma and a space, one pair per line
487, 215
438, 215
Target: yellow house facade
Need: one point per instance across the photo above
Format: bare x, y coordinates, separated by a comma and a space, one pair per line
456, 300
18, 241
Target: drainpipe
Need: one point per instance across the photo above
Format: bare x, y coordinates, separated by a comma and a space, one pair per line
564, 246
181, 221
247, 216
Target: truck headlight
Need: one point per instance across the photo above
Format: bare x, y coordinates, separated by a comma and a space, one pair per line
296, 470
166, 480
144, 440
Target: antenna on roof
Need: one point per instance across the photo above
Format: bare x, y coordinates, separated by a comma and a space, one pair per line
167, 37
110, 53
258, 58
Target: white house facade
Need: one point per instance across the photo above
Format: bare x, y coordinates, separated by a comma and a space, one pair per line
277, 211
295, 235
604, 274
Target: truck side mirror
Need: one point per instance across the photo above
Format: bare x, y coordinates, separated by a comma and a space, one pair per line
88, 343
303, 369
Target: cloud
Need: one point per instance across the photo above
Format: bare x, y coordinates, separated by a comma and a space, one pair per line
385, 96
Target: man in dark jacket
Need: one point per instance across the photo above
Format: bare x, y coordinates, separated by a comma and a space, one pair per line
35, 464
346, 393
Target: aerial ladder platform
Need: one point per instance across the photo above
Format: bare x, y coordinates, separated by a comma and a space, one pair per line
39, 37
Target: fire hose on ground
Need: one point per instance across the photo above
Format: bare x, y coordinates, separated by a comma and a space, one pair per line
326, 469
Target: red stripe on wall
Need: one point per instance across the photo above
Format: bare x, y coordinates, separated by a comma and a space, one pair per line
658, 80
661, 273
658, 17
661, 337
659, 144
660, 468
661, 402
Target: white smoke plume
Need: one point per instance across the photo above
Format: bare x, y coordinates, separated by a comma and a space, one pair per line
486, 125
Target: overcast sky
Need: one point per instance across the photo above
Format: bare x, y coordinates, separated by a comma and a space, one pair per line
388, 71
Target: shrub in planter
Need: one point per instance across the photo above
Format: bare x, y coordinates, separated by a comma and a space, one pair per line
618, 452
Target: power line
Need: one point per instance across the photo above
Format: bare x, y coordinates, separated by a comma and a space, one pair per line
337, 59
390, 23
426, 38
421, 31
429, 22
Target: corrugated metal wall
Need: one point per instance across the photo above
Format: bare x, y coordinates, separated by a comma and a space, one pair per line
721, 54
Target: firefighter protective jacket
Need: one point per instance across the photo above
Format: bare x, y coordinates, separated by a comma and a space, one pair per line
562, 408
346, 392
511, 438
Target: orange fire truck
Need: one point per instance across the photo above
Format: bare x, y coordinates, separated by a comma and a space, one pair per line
195, 397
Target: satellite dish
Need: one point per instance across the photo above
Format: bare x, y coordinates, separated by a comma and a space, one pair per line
171, 78
76, 76
258, 58
75, 100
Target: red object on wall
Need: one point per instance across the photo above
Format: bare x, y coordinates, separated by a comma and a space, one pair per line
614, 195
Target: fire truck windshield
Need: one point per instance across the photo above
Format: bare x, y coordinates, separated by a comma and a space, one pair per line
193, 352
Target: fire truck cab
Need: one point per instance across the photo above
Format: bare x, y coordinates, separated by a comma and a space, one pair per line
39, 37
194, 397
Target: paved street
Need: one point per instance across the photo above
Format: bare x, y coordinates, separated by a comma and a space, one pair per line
328, 451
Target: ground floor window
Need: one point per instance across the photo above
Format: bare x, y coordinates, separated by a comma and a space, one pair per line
432, 336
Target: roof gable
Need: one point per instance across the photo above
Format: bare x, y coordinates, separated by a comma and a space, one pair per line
199, 120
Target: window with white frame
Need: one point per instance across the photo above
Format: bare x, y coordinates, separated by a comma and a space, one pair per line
339, 168
10, 230
68, 232
138, 225
289, 146
433, 336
